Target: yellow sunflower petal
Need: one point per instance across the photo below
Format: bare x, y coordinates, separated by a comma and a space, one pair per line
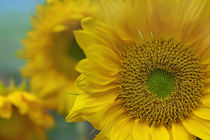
140, 131
204, 50
191, 13
119, 12
60, 28
207, 61
202, 112
207, 91
85, 107
198, 127
5, 108
111, 57
207, 81
100, 136
86, 39
126, 132
113, 129
51, 1
112, 124
95, 75
91, 87
17, 100
206, 100
180, 133
162, 17
97, 27
66, 100
159, 133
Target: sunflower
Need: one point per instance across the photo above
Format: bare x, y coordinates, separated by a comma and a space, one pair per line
52, 52
147, 71
22, 116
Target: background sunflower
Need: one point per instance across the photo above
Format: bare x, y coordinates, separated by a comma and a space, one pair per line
22, 116
14, 24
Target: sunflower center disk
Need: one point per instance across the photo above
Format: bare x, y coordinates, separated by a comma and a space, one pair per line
160, 82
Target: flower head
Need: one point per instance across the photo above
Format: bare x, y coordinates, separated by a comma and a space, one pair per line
146, 75
22, 115
52, 52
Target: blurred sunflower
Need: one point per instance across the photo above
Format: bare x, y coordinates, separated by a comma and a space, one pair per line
52, 51
147, 71
22, 116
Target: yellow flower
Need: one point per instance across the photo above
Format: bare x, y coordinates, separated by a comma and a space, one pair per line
22, 116
147, 71
52, 52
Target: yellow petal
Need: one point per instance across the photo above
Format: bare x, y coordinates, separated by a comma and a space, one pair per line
87, 39
51, 1
76, 16
123, 130
208, 70
2, 100
112, 114
207, 91
115, 125
126, 129
127, 17
104, 57
16, 100
90, 87
5, 108
48, 121
180, 133
159, 133
162, 17
40, 10
140, 131
74, 117
100, 136
60, 28
34, 22
190, 13
206, 100
207, 81
202, 112
93, 73
66, 99
206, 62
203, 50
87, 106
100, 30
198, 127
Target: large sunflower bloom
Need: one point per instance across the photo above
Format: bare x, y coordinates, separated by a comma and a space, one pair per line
22, 116
147, 71
52, 52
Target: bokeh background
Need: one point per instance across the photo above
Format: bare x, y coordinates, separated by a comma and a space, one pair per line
14, 25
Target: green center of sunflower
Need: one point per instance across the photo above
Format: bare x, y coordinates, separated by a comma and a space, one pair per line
161, 83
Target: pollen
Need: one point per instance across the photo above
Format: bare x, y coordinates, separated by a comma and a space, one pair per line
160, 82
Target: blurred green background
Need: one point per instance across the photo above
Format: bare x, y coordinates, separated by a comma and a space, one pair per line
14, 24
